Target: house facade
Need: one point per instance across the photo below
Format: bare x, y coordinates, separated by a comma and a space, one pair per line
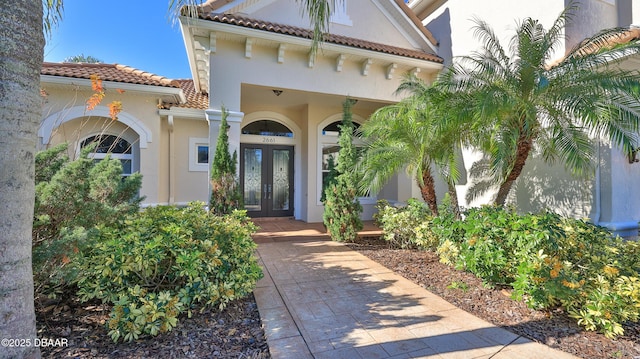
159, 132
253, 59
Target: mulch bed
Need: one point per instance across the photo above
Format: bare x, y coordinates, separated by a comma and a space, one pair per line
467, 292
235, 332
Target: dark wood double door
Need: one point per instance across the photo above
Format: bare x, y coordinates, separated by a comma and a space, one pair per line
266, 178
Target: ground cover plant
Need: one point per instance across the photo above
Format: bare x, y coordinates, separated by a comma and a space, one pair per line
550, 262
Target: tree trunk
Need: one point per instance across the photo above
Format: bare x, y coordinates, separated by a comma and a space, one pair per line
428, 191
523, 149
453, 195
21, 55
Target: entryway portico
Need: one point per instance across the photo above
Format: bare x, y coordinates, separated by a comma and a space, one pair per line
261, 69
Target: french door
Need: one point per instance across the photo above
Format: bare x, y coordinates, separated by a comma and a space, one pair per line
266, 178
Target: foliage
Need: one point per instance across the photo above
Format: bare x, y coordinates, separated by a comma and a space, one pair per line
408, 226
414, 134
331, 178
549, 261
520, 102
164, 261
73, 197
341, 206
225, 192
82, 58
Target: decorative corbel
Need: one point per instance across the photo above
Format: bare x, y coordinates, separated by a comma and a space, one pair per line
340, 62
281, 49
390, 69
366, 64
247, 47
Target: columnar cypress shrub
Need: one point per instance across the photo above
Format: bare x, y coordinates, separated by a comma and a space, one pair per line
225, 193
341, 206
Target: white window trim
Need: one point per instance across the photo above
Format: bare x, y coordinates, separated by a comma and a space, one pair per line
194, 166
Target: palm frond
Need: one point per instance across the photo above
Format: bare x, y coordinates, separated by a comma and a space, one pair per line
319, 12
52, 14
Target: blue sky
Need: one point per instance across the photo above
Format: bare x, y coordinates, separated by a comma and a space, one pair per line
137, 33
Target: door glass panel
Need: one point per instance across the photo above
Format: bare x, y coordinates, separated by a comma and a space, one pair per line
252, 179
280, 180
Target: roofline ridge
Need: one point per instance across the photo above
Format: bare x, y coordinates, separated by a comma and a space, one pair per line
150, 75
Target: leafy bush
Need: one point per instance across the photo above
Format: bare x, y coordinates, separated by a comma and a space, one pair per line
408, 226
73, 197
164, 261
549, 261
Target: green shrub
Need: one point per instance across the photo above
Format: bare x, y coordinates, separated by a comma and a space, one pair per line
408, 226
342, 208
550, 261
164, 261
225, 192
73, 197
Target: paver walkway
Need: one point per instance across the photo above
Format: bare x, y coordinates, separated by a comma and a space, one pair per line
320, 299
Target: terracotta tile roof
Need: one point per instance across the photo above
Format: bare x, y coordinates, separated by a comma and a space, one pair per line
107, 72
195, 100
608, 41
330, 38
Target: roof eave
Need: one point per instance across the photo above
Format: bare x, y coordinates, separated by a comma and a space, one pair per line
173, 92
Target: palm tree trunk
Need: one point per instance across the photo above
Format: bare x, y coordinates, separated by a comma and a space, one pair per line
21, 55
453, 196
428, 191
523, 149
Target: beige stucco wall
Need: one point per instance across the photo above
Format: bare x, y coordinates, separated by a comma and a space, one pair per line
141, 108
65, 106
189, 185
361, 13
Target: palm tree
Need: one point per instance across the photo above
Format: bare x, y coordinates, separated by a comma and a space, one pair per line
414, 134
21, 55
521, 102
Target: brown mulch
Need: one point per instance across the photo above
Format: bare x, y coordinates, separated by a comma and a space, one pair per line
467, 292
237, 332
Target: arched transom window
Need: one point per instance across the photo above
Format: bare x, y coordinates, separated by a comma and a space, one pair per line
114, 146
267, 128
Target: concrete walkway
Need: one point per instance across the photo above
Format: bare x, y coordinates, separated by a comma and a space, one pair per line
320, 299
